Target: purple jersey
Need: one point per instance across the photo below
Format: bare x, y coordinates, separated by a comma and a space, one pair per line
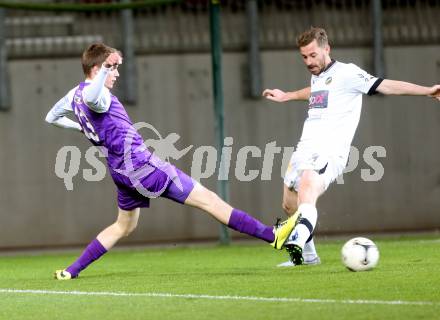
138, 174
113, 130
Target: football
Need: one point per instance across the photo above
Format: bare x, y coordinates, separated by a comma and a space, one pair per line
360, 254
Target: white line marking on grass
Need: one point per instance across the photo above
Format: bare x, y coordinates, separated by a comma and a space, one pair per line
211, 297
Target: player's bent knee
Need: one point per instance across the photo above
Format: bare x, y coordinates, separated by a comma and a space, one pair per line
285, 207
124, 229
130, 229
288, 208
126, 222
310, 180
309, 176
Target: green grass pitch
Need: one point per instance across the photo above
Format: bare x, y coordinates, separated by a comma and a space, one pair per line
234, 282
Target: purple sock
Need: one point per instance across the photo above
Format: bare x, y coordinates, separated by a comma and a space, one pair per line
93, 252
244, 223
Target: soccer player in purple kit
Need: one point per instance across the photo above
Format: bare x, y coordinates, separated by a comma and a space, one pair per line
138, 174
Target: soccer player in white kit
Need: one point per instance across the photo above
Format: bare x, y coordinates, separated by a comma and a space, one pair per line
335, 101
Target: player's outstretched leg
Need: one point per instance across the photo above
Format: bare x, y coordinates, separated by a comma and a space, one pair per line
201, 197
124, 225
311, 186
309, 254
302, 233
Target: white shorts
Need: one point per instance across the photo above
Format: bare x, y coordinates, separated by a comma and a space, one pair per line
329, 167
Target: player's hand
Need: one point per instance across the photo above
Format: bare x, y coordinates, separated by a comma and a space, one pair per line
275, 95
435, 92
112, 60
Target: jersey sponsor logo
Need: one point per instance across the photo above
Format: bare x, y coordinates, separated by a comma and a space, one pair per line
318, 99
328, 80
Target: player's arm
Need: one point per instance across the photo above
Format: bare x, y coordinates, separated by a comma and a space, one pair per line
278, 95
96, 95
59, 112
393, 87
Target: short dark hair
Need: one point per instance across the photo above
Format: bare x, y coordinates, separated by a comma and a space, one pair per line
95, 55
314, 33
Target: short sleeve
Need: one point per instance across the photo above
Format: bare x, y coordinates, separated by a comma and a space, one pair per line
358, 80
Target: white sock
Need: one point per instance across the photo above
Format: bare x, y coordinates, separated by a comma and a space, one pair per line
301, 233
309, 248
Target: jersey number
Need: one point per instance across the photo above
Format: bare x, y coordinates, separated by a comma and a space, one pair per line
88, 129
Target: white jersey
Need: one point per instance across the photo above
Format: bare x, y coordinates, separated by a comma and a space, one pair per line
335, 108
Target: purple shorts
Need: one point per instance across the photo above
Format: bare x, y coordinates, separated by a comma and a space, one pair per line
177, 190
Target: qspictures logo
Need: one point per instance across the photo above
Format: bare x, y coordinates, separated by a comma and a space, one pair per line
246, 164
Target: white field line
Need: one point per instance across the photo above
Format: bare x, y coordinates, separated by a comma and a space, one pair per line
212, 297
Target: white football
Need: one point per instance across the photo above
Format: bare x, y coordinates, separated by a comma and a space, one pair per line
360, 254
